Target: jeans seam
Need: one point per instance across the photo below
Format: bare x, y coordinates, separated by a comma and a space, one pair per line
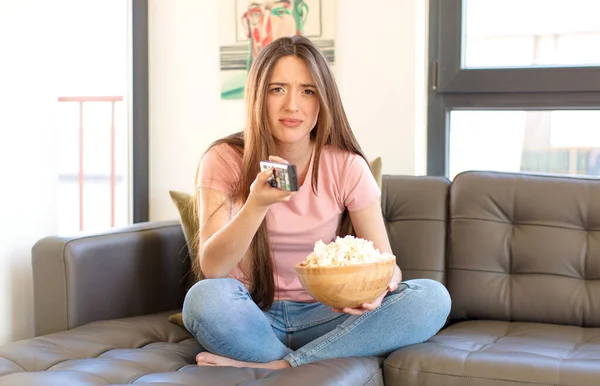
284, 317
296, 360
284, 310
312, 324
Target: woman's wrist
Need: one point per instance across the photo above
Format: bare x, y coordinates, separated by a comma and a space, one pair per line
252, 207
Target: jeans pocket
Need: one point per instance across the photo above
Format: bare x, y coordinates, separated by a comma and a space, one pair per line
402, 286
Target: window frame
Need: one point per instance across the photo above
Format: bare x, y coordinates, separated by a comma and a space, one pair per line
451, 87
140, 119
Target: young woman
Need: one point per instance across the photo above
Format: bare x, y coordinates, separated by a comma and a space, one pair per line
251, 310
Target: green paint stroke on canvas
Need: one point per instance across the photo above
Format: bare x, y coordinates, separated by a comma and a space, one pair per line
263, 22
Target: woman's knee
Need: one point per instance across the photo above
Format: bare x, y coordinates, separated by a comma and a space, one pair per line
207, 298
434, 299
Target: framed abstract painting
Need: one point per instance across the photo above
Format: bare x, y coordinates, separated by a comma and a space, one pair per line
247, 26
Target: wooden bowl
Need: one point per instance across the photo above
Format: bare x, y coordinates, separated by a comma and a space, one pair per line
349, 285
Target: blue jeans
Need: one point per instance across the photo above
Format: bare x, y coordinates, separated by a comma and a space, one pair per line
223, 318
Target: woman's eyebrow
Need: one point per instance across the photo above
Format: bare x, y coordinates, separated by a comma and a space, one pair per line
287, 84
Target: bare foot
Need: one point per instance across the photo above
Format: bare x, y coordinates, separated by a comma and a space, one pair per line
208, 359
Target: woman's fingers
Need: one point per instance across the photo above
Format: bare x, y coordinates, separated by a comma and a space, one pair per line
350, 311
354, 311
369, 306
281, 194
264, 175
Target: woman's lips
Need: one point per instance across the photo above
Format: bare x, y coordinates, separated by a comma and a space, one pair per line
289, 122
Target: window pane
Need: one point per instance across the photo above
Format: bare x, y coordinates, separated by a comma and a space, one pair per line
521, 33
92, 115
560, 141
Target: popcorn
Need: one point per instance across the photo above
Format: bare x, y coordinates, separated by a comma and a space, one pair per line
348, 250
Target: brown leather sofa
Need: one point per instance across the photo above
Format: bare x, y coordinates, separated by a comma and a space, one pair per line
520, 255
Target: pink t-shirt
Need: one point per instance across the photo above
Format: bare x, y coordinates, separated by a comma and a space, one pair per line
345, 180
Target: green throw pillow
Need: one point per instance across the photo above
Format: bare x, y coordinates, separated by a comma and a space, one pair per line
376, 169
187, 217
189, 225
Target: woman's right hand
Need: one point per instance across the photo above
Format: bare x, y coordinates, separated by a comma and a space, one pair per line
263, 195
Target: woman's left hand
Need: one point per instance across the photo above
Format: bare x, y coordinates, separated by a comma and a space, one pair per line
367, 307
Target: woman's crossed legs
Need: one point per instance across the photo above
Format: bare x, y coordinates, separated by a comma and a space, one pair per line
232, 329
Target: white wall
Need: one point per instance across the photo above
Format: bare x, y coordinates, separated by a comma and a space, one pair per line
382, 80
27, 155
380, 68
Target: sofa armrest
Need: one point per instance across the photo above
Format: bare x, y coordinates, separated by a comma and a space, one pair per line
134, 270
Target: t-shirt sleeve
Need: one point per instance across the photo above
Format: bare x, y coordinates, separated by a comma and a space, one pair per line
220, 169
360, 187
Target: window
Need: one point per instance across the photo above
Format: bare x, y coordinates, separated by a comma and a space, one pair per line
523, 33
514, 86
92, 117
102, 149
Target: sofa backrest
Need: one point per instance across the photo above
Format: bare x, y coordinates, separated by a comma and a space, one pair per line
525, 248
415, 214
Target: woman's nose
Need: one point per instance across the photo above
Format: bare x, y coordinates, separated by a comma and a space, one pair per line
291, 103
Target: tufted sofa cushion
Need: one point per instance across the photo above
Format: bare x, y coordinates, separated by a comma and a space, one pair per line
151, 350
525, 248
480, 353
100, 353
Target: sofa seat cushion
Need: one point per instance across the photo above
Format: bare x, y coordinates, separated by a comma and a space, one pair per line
149, 350
500, 353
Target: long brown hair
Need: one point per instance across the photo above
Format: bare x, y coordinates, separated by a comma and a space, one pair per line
256, 143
